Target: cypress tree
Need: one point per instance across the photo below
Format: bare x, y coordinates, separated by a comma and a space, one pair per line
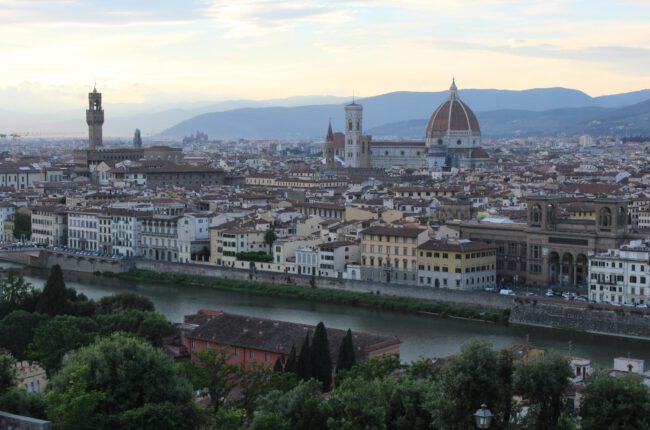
292, 361
277, 367
54, 298
304, 360
321, 362
346, 357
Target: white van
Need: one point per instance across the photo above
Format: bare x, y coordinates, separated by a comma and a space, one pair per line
506, 292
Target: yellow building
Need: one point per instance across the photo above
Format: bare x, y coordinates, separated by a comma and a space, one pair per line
457, 264
389, 254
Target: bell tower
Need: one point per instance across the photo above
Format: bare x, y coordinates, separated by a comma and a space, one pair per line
353, 128
95, 119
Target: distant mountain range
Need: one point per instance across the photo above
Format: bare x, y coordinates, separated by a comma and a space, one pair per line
403, 115
398, 114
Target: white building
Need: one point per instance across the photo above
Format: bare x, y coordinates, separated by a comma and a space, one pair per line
49, 225
159, 238
125, 232
7, 210
83, 230
621, 276
193, 235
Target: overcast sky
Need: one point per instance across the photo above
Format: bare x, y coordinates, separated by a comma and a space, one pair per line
159, 51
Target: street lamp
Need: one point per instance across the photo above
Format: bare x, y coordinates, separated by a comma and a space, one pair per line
483, 417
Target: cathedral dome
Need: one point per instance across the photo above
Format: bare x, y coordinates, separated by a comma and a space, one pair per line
452, 117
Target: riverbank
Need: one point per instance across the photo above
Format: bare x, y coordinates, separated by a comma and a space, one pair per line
316, 294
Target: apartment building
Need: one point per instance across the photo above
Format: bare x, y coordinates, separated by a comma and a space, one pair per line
7, 211
83, 229
227, 242
125, 232
49, 225
389, 254
457, 264
621, 276
193, 235
159, 238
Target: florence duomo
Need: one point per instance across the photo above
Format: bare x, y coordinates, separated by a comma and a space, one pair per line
453, 139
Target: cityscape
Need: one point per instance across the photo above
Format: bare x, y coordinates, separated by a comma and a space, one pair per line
423, 256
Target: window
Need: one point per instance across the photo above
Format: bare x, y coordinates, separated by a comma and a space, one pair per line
251, 354
267, 356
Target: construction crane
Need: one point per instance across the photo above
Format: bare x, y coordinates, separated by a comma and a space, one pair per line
14, 139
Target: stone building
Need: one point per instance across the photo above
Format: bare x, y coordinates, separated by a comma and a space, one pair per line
550, 248
453, 139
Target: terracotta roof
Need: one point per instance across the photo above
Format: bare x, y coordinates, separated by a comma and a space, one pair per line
453, 246
393, 231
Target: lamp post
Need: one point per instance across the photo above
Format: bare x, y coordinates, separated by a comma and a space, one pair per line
483, 417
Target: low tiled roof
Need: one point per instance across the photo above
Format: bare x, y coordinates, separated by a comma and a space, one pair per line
393, 231
453, 246
274, 336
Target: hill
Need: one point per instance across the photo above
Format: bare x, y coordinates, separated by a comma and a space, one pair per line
402, 114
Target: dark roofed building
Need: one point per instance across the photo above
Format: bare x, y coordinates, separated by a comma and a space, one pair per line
262, 341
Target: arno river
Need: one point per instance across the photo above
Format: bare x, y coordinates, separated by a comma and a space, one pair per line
422, 336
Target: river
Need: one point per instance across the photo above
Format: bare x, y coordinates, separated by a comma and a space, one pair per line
422, 336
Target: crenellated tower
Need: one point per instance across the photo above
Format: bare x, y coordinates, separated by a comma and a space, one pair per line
95, 119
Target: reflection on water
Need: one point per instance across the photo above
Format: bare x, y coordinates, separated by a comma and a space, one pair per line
422, 336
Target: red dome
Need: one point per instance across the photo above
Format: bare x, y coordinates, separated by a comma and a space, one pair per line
453, 115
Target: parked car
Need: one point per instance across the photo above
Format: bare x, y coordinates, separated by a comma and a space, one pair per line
506, 292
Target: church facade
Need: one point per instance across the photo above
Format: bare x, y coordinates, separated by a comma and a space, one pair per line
453, 139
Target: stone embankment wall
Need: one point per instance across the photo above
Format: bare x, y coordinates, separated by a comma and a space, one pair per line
478, 299
620, 322
76, 263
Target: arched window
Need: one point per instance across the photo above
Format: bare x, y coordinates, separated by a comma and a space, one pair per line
605, 217
536, 215
439, 141
458, 142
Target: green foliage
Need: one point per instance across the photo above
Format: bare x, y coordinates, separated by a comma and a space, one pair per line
302, 407
63, 333
109, 304
256, 256
210, 370
304, 360
149, 325
372, 368
292, 361
117, 380
55, 296
359, 404
321, 362
346, 358
467, 381
22, 226
269, 421
74, 405
270, 236
278, 366
542, 382
17, 331
7, 372
20, 402
319, 295
14, 290
228, 419
256, 381
616, 403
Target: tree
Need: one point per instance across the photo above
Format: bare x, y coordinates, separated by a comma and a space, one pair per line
467, 381
269, 237
228, 419
615, 403
152, 326
109, 304
302, 407
346, 357
304, 360
17, 331
22, 226
372, 368
210, 370
120, 382
542, 382
278, 367
55, 297
358, 404
321, 362
57, 337
14, 290
292, 361
21, 402
7, 372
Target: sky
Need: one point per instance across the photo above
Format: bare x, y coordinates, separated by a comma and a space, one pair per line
165, 52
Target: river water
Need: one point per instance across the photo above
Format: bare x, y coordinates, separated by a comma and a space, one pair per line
422, 336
